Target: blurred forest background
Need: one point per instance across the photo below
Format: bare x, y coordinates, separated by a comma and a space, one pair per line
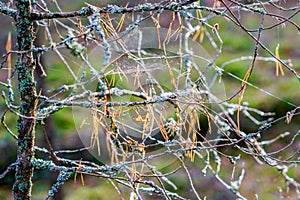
267, 92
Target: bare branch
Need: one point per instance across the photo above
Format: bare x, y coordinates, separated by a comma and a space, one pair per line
7, 11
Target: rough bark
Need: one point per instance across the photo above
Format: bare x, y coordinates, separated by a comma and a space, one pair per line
26, 122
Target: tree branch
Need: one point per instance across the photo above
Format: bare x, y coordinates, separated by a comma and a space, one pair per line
10, 168
7, 11
90, 9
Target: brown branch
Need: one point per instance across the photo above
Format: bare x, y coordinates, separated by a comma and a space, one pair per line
282, 18
239, 24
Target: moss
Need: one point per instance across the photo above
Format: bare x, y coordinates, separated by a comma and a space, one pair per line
25, 127
23, 186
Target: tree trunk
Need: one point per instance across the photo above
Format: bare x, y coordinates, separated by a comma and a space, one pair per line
26, 122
